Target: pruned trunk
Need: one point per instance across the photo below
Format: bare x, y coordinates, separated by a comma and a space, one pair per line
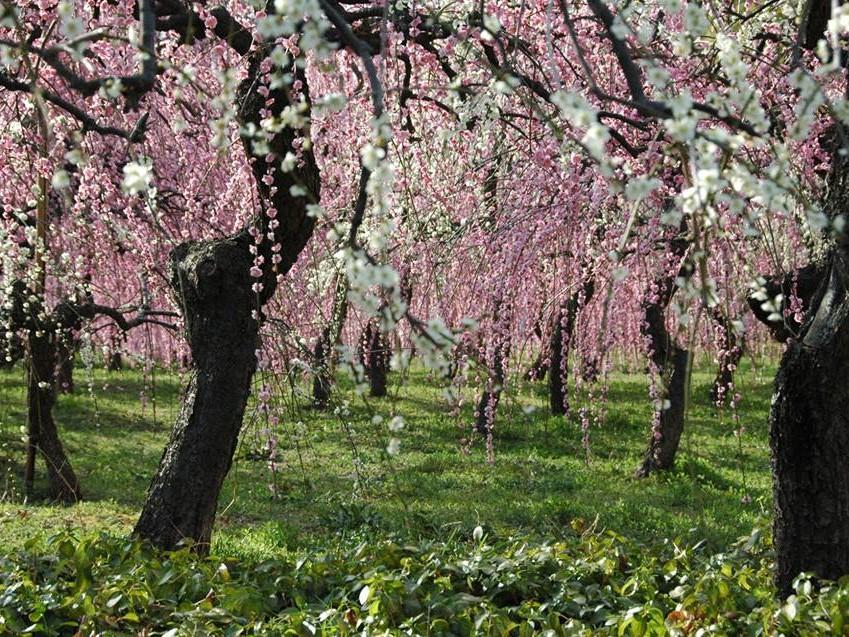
42, 435
809, 439
212, 281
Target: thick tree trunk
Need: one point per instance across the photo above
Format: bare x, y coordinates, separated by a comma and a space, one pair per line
221, 303
560, 344
809, 438
42, 435
213, 283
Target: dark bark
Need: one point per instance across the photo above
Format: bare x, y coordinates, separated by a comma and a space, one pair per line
559, 361
809, 421
560, 344
115, 363
809, 439
672, 365
51, 347
815, 17
802, 283
665, 437
213, 286
42, 435
732, 352
374, 355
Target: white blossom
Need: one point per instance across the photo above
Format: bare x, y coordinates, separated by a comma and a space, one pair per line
138, 176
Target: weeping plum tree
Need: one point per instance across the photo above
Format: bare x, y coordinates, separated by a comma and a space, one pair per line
220, 285
44, 330
220, 299
577, 83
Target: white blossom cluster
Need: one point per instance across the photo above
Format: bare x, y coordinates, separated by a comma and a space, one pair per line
303, 17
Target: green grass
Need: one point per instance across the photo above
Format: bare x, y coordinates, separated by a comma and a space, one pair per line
336, 482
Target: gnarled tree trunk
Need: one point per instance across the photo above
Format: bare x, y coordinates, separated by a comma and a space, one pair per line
809, 439
213, 282
215, 289
809, 417
672, 364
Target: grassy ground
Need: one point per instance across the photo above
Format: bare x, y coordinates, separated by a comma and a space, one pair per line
336, 481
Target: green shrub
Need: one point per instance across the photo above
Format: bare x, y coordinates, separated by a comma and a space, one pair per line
594, 583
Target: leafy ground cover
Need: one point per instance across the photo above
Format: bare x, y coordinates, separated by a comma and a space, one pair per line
591, 583
341, 536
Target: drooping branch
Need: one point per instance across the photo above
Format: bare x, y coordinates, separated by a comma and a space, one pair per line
89, 123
